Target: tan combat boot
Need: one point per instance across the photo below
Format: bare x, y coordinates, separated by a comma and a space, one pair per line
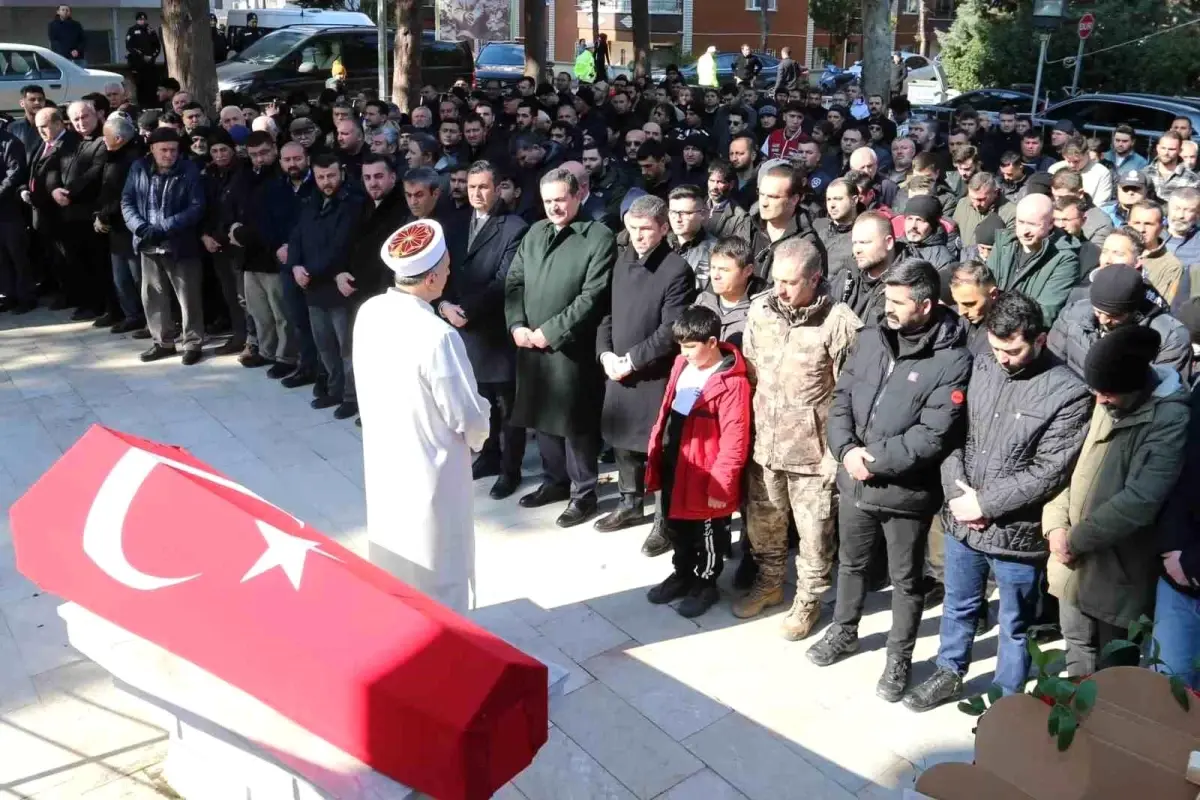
800, 620
759, 598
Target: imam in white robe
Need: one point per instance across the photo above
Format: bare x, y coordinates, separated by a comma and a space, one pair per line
422, 415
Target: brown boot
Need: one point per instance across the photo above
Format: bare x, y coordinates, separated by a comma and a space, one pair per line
760, 598
800, 620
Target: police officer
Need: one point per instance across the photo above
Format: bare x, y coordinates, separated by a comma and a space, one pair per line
250, 34
141, 51
220, 43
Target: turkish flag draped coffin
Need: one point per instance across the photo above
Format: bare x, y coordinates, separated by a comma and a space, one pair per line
155, 541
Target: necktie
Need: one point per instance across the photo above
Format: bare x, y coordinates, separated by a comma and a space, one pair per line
472, 231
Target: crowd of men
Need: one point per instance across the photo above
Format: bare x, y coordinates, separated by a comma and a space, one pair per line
970, 349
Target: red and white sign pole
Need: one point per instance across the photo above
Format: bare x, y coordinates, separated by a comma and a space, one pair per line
1087, 24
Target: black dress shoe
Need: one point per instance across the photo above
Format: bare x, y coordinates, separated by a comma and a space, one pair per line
297, 378
105, 321
578, 511
324, 402
657, 542
141, 333
278, 371
674, 587
252, 360
127, 326
191, 357
505, 485
485, 467
83, 314
894, 680
346, 410
157, 352
320, 386
544, 495
624, 516
941, 687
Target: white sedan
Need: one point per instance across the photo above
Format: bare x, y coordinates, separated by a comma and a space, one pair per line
62, 80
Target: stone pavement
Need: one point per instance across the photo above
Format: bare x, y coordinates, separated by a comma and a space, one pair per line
657, 706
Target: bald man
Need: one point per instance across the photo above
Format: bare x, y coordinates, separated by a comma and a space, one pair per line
866, 160
1036, 258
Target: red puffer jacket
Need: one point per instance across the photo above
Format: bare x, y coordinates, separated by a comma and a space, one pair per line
714, 444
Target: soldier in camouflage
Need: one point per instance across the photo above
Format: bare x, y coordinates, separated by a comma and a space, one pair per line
795, 342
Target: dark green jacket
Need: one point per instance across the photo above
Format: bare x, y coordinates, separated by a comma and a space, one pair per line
559, 283
1047, 277
1125, 472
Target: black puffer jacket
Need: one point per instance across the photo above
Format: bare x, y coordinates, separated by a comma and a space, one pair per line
839, 246
1024, 432
903, 399
864, 295
935, 249
1076, 330
799, 226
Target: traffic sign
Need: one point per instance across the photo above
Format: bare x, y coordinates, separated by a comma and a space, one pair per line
1087, 24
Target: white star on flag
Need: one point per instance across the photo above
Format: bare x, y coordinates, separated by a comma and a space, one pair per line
284, 551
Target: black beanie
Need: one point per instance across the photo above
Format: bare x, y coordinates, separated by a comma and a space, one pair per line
221, 136
1119, 362
1117, 289
923, 206
1038, 183
985, 231
164, 134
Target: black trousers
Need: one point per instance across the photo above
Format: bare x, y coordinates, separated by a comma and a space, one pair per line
905, 538
17, 281
1086, 637
505, 443
631, 475
699, 546
571, 460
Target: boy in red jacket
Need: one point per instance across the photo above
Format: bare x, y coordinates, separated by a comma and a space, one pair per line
698, 447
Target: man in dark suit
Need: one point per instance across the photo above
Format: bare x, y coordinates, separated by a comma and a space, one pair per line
75, 179
482, 245
593, 208
58, 141
16, 278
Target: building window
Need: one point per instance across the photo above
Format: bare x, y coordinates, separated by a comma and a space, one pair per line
756, 5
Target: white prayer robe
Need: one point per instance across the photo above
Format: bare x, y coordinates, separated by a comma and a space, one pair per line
422, 416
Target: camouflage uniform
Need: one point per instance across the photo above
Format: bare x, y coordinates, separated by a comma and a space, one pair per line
795, 357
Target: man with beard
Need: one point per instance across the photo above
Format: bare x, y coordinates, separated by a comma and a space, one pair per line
606, 181
996, 484
315, 249
688, 238
651, 287
141, 51
482, 247
1183, 216
1167, 172
654, 162
888, 453
983, 198
163, 204
1036, 259
797, 340
777, 219
1117, 298
904, 150
1122, 156
225, 180
1012, 176
974, 292
256, 235
693, 169
386, 210
880, 191
834, 229
742, 157
556, 293
481, 143
301, 189
925, 239
859, 285
725, 216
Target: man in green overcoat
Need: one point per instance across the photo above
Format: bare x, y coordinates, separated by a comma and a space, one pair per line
556, 293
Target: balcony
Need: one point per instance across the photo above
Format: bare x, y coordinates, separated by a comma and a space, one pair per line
626, 6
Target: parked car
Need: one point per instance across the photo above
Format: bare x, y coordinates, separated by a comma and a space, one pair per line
300, 58
272, 19
1099, 114
22, 64
988, 102
766, 78
500, 61
914, 61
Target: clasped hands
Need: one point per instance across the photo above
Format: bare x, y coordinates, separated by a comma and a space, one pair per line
616, 367
524, 337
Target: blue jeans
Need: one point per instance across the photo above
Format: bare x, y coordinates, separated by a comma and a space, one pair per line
296, 306
331, 332
1177, 629
127, 277
1019, 583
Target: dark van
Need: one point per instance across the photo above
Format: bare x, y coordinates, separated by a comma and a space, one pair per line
300, 59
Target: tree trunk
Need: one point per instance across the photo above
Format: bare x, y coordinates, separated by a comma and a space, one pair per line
533, 26
595, 21
406, 73
922, 28
189, 57
877, 47
766, 24
641, 36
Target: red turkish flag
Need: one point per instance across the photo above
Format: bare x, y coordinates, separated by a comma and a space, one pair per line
158, 543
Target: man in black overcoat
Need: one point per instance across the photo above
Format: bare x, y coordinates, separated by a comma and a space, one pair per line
651, 287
